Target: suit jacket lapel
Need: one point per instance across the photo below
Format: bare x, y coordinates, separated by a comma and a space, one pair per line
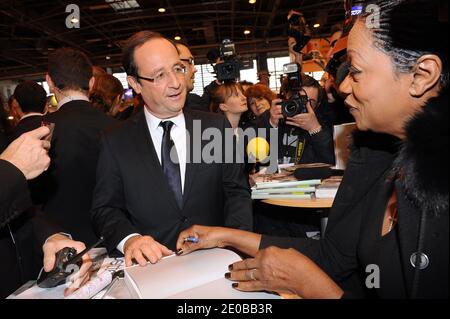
191, 168
146, 151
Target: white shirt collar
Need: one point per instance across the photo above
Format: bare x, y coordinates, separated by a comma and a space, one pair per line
69, 98
31, 114
153, 121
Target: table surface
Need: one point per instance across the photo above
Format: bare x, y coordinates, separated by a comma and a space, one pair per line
301, 203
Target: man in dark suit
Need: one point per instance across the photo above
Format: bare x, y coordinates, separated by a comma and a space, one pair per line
29, 104
144, 197
70, 180
25, 235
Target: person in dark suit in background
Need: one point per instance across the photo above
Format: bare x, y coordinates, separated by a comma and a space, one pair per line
143, 199
25, 235
70, 180
29, 104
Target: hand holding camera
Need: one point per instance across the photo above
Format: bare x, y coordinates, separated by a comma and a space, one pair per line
306, 121
275, 112
64, 260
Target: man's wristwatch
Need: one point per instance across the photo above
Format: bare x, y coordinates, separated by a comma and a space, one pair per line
315, 131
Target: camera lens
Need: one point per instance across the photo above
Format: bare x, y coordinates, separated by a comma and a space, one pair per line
290, 108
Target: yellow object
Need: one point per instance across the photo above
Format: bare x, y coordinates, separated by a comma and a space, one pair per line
53, 101
258, 148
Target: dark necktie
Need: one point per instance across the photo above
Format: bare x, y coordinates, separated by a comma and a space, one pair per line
171, 169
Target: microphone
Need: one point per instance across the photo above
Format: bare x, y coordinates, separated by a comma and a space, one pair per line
307, 173
258, 148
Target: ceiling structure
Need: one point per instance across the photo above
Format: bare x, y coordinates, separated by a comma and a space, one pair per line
30, 29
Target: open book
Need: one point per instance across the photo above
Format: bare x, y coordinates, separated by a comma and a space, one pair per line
198, 275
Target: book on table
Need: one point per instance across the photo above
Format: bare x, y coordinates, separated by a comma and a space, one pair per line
198, 275
329, 187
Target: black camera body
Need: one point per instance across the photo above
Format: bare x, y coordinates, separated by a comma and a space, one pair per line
297, 103
230, 68
228, 71
63, 268
294, 106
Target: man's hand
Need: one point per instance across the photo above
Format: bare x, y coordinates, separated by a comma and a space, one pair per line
283, 271
29, 153
275, 112
57, 242
143, 248
307, 121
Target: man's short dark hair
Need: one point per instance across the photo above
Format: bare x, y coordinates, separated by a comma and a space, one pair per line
70, 69
132, 43
31, 97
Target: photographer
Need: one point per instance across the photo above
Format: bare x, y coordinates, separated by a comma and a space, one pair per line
303, 137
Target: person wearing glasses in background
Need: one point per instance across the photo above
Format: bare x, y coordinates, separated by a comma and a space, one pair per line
193, 101
305, 137
148, 186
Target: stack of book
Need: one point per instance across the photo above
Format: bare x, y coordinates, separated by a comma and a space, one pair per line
286, 189
284, 185
328, 187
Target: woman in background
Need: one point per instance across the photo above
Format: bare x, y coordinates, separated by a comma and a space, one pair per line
229, 99
107, 94
259, 98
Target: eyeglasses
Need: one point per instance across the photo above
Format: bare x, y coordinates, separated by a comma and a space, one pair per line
163, 76
190, 60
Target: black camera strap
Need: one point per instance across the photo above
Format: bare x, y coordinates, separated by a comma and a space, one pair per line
287, 148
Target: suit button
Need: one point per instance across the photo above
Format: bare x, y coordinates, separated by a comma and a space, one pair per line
423, 261
184, 219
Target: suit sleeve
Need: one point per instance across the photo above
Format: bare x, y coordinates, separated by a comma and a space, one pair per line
238, 204
109, 214
14, 194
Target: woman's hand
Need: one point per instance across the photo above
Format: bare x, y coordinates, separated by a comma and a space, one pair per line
283, 271
205, 236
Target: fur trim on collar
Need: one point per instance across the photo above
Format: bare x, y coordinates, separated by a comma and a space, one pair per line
423, 158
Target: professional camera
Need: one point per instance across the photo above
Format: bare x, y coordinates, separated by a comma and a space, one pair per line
298, 29
297, 103
229, 69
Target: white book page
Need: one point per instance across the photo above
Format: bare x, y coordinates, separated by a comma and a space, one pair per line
179, 273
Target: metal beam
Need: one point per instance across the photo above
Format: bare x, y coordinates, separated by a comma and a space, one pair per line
271, 17
41, 27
